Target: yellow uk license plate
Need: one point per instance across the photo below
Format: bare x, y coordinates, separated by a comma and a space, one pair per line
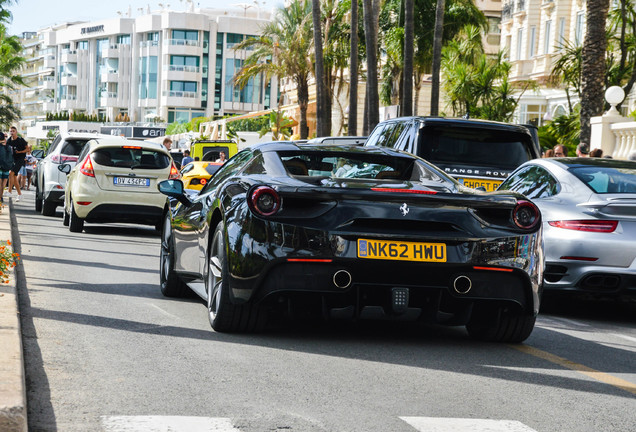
489, 185
401, 251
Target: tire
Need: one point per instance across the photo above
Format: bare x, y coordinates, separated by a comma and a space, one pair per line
170, 283
48, 208
66, 218
223, 314
500, 325
38, 200
76, 224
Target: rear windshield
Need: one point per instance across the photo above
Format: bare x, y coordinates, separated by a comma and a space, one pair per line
604, 180
73, 147
358, 166
475, 147
131, 158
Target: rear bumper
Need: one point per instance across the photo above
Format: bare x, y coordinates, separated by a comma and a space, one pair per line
142, 214
585, 278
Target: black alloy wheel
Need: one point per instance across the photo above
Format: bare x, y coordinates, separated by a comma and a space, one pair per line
171, 284
223, 314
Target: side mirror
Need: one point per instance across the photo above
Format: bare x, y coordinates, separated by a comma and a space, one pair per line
65, 168
174, 189
38, 154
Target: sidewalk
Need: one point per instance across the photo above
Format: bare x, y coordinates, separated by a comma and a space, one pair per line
13, 411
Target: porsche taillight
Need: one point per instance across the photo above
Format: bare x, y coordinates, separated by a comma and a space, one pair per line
526, 215
87, 167
264, 201
592, 225
174, 173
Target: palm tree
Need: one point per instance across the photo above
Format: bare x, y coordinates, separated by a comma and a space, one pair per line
567, 70
406, 105
284, 50
352, 124
593, 67
371, 10
11, 63
437, 55
323, 123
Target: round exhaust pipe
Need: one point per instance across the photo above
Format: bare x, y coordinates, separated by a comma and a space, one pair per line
342, 279
462, 284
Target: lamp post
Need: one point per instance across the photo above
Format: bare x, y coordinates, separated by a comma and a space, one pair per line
614, 95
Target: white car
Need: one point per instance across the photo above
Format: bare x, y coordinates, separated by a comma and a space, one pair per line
49, 181
115, 180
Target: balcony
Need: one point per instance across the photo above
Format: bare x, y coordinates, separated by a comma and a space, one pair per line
182, 73
147, 44
68, 56
47, 83
68, 102
182, 46
108, 99
181, 99
111, 51
109, 76
49, 62
68, 79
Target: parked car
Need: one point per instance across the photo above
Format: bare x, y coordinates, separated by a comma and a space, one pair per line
478, 153
589, 221
48, 180
339, 140
209, 150
279, 229
196, 174
116, 180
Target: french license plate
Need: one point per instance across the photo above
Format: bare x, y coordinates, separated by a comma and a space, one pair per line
489, 185
131, 181
401, 251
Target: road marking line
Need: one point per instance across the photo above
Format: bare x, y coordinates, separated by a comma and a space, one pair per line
592, 373
442, 424
166, 423
629, 338
163, 311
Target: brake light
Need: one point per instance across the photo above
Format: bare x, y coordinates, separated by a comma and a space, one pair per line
499, 269
60, 159
203, 181
593, 225
313, 260
264, 201
174, 173
526, 215
87, 167
132, 147
411, 191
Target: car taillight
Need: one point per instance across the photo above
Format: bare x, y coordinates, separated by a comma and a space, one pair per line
593, 225
87, 167
264, 201
174, 173
60, 159
526, 215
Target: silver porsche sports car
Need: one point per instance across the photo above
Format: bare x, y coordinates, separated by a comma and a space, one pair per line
588, 207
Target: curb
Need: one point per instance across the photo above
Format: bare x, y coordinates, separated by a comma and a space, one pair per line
13, 412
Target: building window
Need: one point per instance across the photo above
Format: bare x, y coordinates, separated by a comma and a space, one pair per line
81, 45
123, 39
580, 22
533, 35
152, 36
183, 86
233, 39
192, 35
561, 33
519, 44
548, 30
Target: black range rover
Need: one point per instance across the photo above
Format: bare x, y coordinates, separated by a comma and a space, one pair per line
478, 153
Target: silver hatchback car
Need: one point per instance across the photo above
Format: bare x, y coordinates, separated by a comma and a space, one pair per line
588, 206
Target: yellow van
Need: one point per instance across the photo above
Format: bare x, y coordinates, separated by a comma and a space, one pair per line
209, 150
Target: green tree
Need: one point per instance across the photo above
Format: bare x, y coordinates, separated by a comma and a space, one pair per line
284, 50
11, 63
371, 10
352, 125
477, 84
593, 66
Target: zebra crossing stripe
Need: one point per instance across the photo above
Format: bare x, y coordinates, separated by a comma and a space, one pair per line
166, 424
443, 424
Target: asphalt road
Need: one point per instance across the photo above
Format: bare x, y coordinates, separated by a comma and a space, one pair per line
104, 351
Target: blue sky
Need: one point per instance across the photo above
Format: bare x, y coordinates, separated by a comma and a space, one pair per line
31, 15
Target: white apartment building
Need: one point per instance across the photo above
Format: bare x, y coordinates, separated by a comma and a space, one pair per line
165, 64
533, 33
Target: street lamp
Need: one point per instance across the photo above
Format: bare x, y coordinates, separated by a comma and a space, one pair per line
614, 95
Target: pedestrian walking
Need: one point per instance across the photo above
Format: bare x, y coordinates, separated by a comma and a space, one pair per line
29, 165
20, 148
6, 162
186, 158
167, 143
597, 152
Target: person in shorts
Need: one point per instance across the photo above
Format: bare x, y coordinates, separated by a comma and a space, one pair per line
20, 148
6, 162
